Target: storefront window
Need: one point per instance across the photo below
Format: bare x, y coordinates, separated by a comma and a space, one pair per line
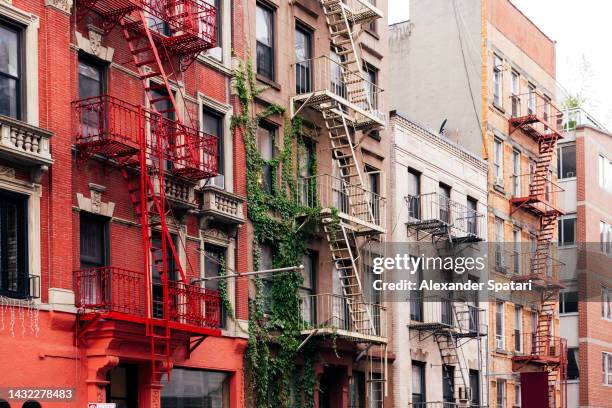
195, 389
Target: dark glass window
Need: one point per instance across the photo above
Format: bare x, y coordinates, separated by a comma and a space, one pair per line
414, 190
303, 55
215, 257
13, 245
568, 302
475, 387
307, 289
123, 387
566, 162
573, 372
448, 383
567, 231
265, 41
418, 383
266, 135
217, 51
371, 76
213, 125
444, 202
472, 215
91, 78
195, 389
157, 267
10, 70
357, 390
94, 241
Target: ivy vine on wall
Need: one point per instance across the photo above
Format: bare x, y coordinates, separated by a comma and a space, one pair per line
278, 220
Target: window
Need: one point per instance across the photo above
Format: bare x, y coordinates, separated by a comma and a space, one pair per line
517, 395
516, 250
475, 387
567, 230
265, 41
91, 78
497, 81
573, 372
303, 59
217, 52
13, 245
516, 90
607, 368
157, 271
499, 240
414, 190
123, 387
605, 173
605, 237
374, 195
606, 303
516, 173
356, 390
448, 383
195, 389
518, 327
472, 216
372, 25
418, 383
501, 393
568, 302
531, 100
212, 124
306, 159
93, 241
566, 162
214, 257
498, 162
266, 260
444, 193
371, 80
266, 135
10, 70
307, 289
337, 82
500, 342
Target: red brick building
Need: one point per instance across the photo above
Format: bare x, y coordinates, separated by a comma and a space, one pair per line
101, 261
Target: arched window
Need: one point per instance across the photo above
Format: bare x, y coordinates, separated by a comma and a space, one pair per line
31, 404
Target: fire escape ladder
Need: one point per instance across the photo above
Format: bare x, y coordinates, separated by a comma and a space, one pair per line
452, 354
341, 35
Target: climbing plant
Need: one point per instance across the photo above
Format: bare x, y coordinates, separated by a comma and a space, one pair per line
277, 217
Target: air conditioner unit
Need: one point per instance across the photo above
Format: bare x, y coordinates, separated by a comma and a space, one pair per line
464, 394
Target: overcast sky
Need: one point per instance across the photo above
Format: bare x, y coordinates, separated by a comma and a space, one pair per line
583, 32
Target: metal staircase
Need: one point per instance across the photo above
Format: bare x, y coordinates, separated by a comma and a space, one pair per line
159, 143
542, 123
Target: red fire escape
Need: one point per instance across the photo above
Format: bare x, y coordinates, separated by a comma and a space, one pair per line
150, 145
537, 117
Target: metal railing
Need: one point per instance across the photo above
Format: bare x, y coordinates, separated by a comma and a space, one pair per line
442, 310
549, 117
434, 207
353, 200
114, 127
323, 74
329, 311
444, 404
575, 117
184, 17
117, 290
530, 263
541, 345
525, 185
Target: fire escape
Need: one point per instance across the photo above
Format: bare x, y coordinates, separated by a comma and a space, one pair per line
535, 116
452, 324
151, 147
336, 88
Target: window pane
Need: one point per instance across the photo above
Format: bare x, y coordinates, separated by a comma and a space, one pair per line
212, 124
90, 80
8, 97
567, 158
9, 54
13, 255
264, 26
195, 389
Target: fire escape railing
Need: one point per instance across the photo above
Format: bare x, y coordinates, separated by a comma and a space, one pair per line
113, 290
535, 113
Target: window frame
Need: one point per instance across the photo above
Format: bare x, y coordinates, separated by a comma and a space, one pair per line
607, 368
498, 79
226, 387
104, 240
22, 278
500, 384
272, 133
561, 232
498, 161
515, 89
560, 161
606, 303
20, 86
272, 47
500, 335
309, 35
518, 328
221, 178
563, 301
420, 365
516, 172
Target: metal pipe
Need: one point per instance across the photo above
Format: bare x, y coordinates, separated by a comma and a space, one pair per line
241, 274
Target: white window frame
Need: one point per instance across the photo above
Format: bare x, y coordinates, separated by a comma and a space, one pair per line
561, 234
500, 385
516, 250
498, 161
500, 338
30, 23
606, 303
531, 99
498, 80
518, 326
516, 172
560, 166
517, 395
607, 368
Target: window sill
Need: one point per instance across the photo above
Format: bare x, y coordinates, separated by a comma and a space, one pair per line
373, 34
499, 108
567, 179
501, 351
271, 83
499, 188
568, 314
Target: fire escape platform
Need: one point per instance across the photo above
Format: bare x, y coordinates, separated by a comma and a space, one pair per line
534, 204
359, 225
323, 99
351, 336
525, 123
539, 281
111, 9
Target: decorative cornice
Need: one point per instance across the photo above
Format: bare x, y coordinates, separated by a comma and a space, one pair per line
61, 5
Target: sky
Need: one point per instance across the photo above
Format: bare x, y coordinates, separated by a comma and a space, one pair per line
583, 33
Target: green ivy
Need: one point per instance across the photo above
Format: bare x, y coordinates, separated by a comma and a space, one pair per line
274, 319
